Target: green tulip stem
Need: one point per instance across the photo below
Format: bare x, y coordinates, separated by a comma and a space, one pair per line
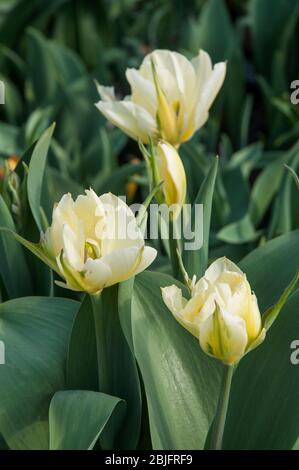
101, 343
173, 247
220, 418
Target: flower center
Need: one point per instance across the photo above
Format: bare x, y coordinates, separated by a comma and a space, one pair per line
91, 250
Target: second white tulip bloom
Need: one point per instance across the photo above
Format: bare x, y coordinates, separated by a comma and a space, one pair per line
94, 242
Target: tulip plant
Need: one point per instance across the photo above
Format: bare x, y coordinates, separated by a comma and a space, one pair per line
118, 326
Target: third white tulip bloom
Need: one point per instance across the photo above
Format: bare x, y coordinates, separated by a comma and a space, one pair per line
222, 312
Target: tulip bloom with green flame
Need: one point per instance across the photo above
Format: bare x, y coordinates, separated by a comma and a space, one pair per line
170, 97
93, 242
222, 313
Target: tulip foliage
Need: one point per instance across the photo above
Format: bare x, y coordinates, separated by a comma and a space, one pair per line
114, 335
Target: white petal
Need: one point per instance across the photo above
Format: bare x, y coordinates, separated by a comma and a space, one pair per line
63, 213
208, 93
121, 230
96, 274
176, 303
143, 91
90, 212
213, 85
130, 118
73, 247
106, 92
148, 256
120, 265
220, 266
64, 285
173, 298
203, 68
226, 340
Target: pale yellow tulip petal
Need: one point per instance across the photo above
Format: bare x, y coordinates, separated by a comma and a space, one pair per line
121, 229
73, 247
106, 92
148, 256
121, 265
220, 266
224, 336
176, 303
202, 65
213, 84
143, 91
130, 118
90, 212
173, 298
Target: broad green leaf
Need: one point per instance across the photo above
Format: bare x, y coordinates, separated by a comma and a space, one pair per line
272, 267
241, 231
123, 380
35, 331
264, 412
35, 248
13, 268
272, 313
264, 189
287, 201
78, 417
294, 175
81, 368
181, 382
36, 174
196, 261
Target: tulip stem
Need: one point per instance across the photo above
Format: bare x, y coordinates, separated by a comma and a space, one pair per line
173, 247
220, 418
102, 360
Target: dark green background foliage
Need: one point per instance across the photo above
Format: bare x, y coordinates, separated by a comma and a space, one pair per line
51, 53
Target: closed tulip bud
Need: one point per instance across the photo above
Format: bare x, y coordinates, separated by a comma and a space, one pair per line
170, 97
168, 167
222, 312
94, 242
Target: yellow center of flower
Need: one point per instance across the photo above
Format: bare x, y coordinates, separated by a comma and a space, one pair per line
91, 250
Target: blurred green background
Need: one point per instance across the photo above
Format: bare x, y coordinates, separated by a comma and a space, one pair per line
52, 52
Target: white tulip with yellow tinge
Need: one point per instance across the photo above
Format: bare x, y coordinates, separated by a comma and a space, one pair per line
171, 171
222, 312
94, 242
170, 97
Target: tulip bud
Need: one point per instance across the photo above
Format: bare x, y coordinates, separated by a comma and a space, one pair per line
93, 242
167, 166
222, 313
